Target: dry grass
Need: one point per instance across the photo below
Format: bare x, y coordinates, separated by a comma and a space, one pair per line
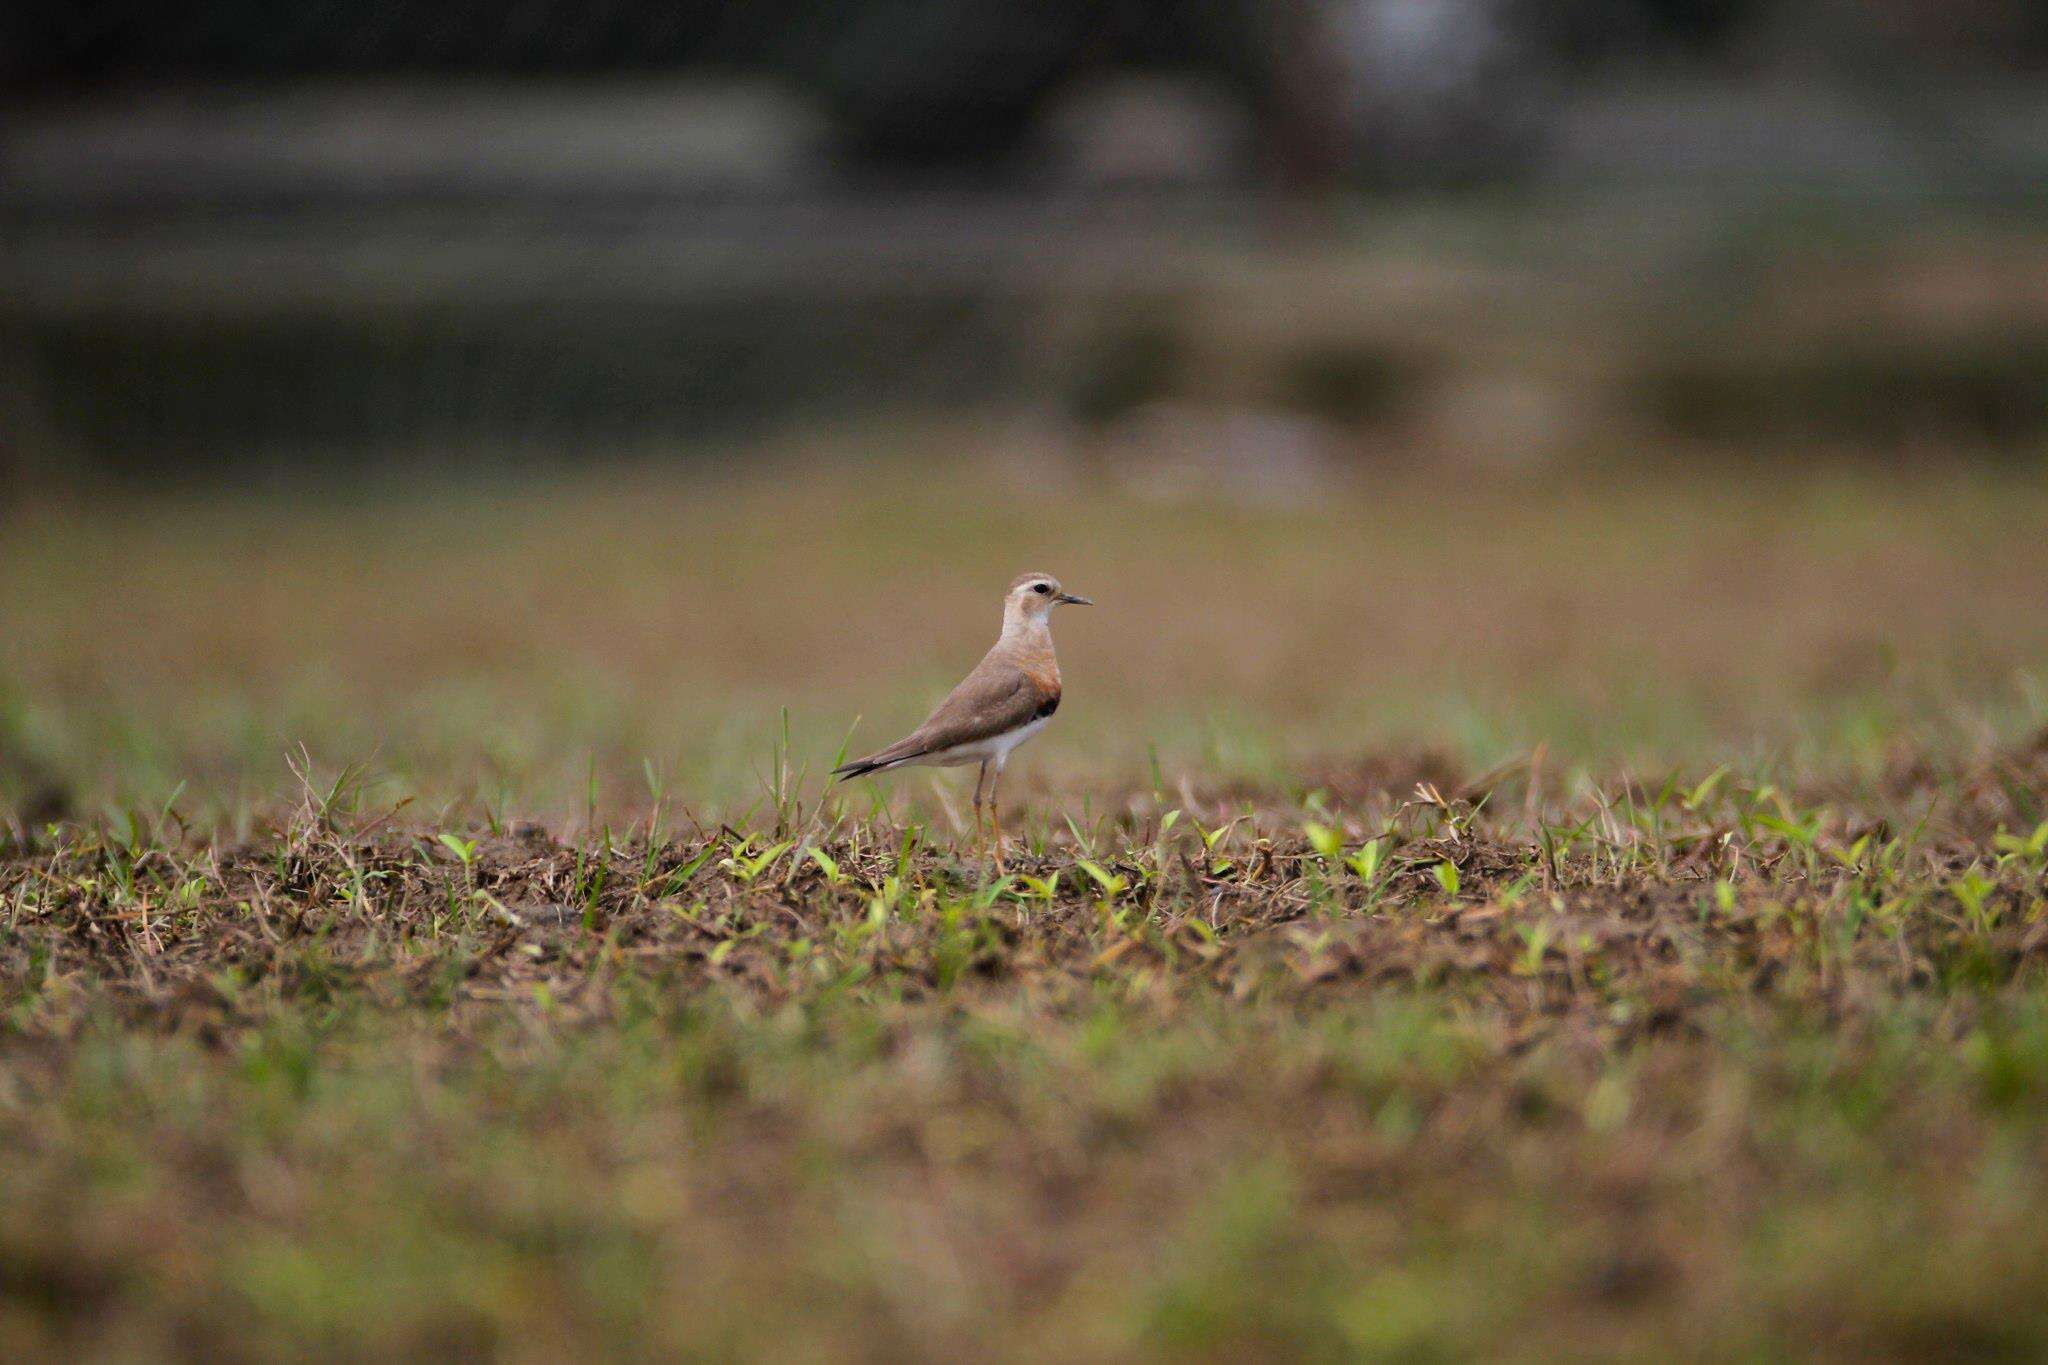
1649, 1072
1673, 985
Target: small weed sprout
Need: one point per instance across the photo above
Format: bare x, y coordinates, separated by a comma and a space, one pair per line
827, 865
1973, 892
744, 866
464, 851
2030, 851
1111, 884
1536, 941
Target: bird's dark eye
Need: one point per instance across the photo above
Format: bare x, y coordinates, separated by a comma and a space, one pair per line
1041, 588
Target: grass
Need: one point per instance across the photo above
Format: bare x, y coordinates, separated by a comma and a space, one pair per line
1491, 924
484, 647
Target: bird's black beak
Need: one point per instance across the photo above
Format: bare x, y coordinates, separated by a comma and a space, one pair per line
1072, 600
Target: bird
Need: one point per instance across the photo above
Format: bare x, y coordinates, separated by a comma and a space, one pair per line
1007, 699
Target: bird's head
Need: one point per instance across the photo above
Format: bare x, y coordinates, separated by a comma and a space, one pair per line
1032, 597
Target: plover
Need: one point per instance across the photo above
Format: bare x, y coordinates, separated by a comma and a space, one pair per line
1006, 700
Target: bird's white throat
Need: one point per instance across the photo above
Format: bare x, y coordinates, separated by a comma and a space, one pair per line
1023, 629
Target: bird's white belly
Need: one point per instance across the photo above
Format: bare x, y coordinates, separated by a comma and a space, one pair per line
996, 747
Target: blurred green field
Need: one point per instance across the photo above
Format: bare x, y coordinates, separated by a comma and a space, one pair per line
479, 646
1587, 913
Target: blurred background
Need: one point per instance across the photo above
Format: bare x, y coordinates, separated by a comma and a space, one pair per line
264, 237
352, 356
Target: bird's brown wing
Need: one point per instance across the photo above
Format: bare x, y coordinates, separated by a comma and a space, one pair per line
995, 698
